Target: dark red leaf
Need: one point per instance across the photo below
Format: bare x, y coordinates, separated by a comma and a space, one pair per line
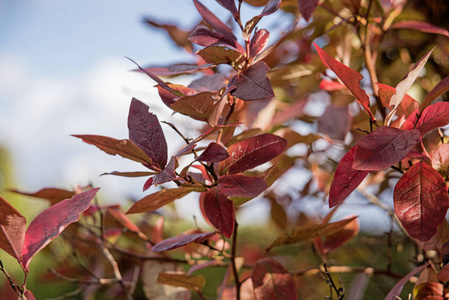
220, 211
213, 21
168, 174
158, 199
259, 42
148, 184
205, 37
209, 83
186, 149
384, 147
420, 26
346, 179
349, 77
272, 281
421, 201
176, 69
52, 221
124, 148
146, 132
177, 35
438, 90
270, 8
252, 152
130, 174
169, 97
307, 7
221, 55
433, 117
12, 229
229, 5
252, 83
182, 240
52, 194
198, 106
213, 153
241, 186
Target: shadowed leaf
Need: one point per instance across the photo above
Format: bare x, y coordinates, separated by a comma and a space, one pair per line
52, 221
252, 152
384, 147
213, 153
125, 148
220, 211
252, 83
241, 186
346, 179
420, 26
441, 88
272, 281
221, 55
146, 132
176, 69
182, 240
307, 7
52, 194
213, 21
12, 229
421, 201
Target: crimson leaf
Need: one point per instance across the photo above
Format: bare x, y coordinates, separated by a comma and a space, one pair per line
252, 152
213, 153
421, 201
146, 132
384, 147
349, 77
182, 240
434, 116
12, 229
259, 42
52, 221
205, 37
220, 211
241, 186
168, 174
213, 21
252, 83
229, 5
346, 179
438, 90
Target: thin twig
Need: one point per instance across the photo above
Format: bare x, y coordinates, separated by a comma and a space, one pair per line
234, 267
15, 287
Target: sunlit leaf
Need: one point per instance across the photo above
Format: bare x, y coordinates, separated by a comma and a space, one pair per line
433, 117
52, 221
259, 42
421, 201
52, 194
197, 106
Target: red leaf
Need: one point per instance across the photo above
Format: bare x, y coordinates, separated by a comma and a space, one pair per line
383, 148
346, 179
168, 174
252, 83
205, 37
252, 152
307, 7
407, 105
168, 97
52, 194
241, 186
130, 174
123, 219
220, 211
330, 85
176, 69
197, 106
349, 77
52, 221
209, 83
158, 199
433, 117
182, 240
146, 132
272, 281
440, 158
124, 148
177, 35
438, 90
213, 21
420, 26
421, 201
270, 8
213, 153
336, 239
148, 184
12, 229
229, 5
259, 42
397, 289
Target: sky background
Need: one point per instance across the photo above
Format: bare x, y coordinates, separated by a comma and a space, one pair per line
63, 71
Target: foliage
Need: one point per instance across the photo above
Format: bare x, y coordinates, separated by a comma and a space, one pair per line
255, 99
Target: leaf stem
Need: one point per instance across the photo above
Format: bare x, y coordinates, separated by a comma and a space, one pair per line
234, 267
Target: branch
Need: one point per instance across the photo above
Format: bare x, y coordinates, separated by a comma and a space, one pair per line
234, 267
